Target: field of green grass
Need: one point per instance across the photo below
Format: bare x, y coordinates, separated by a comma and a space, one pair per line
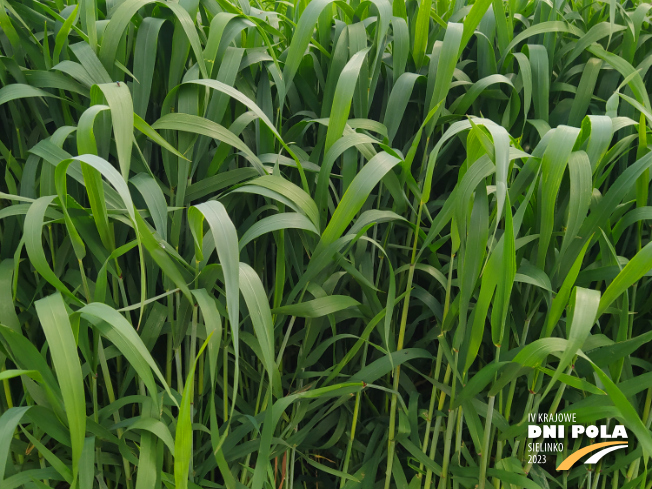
322, 244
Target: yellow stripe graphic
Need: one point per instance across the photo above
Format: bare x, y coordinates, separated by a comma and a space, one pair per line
574, 457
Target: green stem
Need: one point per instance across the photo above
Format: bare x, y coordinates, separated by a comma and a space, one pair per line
354, 422
435, 436
177, 358
116, 415
87, 291
399, 347
431, 407
485, 444
225, 373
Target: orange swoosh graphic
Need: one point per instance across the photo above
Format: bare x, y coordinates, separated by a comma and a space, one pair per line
574, 457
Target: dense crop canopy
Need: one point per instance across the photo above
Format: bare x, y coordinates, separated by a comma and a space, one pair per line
321, 243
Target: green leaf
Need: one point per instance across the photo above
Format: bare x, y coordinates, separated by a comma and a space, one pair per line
628, 414
553, 166
295, 194
286, 220
342, 99
183, 436
261, 317
117, 329
213, 326
421, 31
8, 423
199, 125
317, 307
56, 325
119, 100
583, 309
633, 271
355, 196
17, 91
